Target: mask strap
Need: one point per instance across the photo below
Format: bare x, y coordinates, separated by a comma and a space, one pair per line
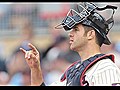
110, 20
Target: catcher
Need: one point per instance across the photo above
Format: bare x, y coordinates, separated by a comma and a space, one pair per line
88, 31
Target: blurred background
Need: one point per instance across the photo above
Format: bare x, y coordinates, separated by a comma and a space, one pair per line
21, 23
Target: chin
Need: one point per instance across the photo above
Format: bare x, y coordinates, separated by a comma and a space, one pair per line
72, 48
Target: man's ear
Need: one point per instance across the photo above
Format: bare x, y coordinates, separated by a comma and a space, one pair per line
91, 34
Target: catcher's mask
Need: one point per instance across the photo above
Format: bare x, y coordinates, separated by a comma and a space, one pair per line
85, 13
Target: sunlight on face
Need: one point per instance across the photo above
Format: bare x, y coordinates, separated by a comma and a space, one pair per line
77, 38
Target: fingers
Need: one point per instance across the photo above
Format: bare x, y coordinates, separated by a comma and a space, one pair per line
23, 50
32, 51
27, 53
33, 48
30, 57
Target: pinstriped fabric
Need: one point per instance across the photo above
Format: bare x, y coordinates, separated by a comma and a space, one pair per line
105, 72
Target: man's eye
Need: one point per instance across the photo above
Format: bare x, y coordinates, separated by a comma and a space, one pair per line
76, 29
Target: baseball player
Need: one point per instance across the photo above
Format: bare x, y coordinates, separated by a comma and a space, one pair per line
88, 30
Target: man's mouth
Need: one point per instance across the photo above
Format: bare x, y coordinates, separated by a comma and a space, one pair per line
71, 41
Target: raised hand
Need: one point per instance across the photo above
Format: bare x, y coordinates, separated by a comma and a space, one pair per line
32, 58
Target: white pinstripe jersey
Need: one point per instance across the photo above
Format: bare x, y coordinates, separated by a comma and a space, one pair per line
103, 73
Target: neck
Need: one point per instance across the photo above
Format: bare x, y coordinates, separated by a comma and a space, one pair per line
88, 52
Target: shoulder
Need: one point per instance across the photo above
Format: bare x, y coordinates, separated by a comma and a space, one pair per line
104, 72
101, 66
105, 63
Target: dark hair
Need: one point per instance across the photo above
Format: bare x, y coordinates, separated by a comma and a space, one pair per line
99, 38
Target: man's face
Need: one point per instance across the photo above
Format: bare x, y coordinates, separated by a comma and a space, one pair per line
77, 38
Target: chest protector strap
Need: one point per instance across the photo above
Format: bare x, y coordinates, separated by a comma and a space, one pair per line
75, 74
